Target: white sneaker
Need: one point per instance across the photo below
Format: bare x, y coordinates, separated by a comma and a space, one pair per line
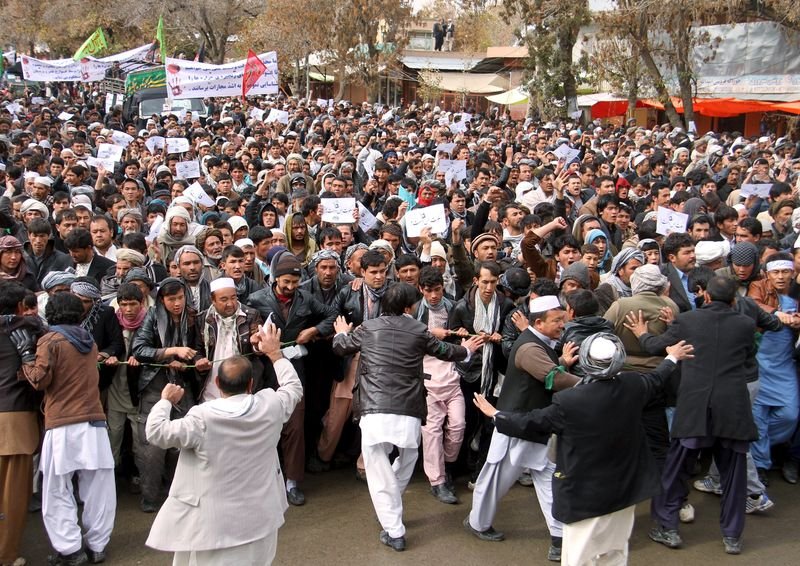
686, 514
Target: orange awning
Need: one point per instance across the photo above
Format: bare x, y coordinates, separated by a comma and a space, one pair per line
727, 107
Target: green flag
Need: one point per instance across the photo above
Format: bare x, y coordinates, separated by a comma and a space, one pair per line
160, 39
95, 44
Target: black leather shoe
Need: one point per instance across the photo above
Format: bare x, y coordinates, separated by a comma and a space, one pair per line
789, 471
397, 544
762, 476
96, 556
147, 506
443, 494
733, 545
317, 465
296, 497
74, 559
489, 534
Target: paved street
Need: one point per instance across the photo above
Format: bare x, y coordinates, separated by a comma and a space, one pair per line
337, 526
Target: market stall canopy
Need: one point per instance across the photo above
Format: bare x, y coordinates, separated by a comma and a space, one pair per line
469, 83
605, 104
513, 96
728, 107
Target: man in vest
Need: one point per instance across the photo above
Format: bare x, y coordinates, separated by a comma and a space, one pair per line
534, 373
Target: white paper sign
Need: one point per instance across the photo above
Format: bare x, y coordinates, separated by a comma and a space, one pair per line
366, 220
456, 168
276, 115
759, 189
64, 116
566, 153
338, 210
109, 151
97, 163
199, 195
669, 221
322, 102
187, 169
444, 120
155, 228
14, 107
38, 100
154, 143
177, 145
446, 147
257, 113
388, 116
458, 127
121, 138
432, 217
192, 79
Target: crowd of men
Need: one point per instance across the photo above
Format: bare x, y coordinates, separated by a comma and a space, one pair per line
552, 237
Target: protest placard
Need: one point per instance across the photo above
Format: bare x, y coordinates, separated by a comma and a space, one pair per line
432, 217
154, 144
757, 189
566, 153
198, 195
669, 221
177, 145
187, 169
109, 151
192, 79
276, 115
121, 138
338, 210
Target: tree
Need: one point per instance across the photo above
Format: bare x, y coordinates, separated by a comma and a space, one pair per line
615, 61
551, 35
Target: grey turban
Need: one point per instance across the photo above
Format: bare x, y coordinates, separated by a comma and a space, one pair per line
56, 278
648, 278
601, 356
322, 255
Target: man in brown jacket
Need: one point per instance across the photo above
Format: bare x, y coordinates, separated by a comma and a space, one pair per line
64, 365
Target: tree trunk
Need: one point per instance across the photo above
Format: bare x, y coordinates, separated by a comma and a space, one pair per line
658, 82
682, 43
566, 41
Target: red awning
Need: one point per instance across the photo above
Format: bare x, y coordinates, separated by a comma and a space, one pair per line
728, 107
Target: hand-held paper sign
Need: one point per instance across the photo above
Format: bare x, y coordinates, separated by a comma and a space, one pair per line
253, 69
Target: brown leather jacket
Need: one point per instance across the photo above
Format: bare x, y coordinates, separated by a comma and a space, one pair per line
762, 292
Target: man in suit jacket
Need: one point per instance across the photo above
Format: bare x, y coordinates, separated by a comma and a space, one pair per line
88, 263
597, 521
679, 249
228, 466
712, 411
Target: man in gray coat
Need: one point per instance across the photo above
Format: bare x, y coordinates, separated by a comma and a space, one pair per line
228, 466
389, 397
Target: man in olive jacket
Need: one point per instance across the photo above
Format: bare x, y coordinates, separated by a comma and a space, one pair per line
389, 397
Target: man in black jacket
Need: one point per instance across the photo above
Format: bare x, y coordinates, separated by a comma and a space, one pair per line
594, 451
712, 411
301, 319
389, 397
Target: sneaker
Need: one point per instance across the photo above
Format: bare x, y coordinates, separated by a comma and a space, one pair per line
686, 514
789, 471
668, 537
525, 479
489, 534
74, 559
443, 494
733, 545
708, 485
758, 504
397, 544
554, 552
295, 497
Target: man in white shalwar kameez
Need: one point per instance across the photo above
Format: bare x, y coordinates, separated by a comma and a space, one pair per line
390, 398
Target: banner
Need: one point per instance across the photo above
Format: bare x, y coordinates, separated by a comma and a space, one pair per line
150, 78
95, 44
253, 69
190, 79
87, 69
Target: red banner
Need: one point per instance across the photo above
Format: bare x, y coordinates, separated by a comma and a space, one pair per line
253, 69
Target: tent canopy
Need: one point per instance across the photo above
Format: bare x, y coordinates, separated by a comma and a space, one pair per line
470, 83
513, 96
